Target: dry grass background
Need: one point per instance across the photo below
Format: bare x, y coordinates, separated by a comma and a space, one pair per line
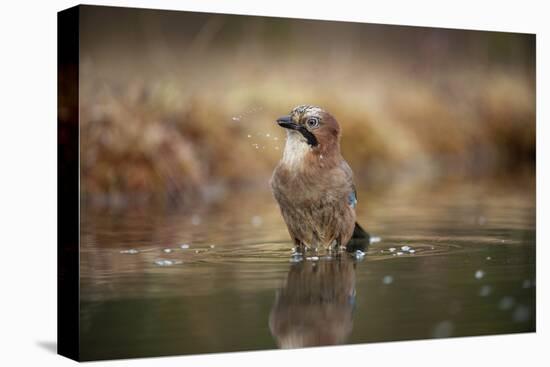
180, 106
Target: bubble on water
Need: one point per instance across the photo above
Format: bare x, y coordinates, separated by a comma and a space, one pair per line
195, 219
521, 314
443, 330
388, 279
167, 250
131, 251
256, 221
412, 251
359, 254
405, 248
164, 262
399, 253
184, 246
479, 274
392, 249
506, 303
374, 239
526, 284
485, 290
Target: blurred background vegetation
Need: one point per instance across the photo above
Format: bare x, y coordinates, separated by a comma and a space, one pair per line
177, 107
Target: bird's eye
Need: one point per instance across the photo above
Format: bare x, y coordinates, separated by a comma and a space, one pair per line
312, 122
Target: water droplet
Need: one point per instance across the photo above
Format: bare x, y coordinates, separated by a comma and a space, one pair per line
184, 246
405, 248
167, 250
388, 279
195, 220
164, 262
256, 221
392, 249
485, 290
506, 303
479, 274
399, 253
521, 314
412, 251
375, 239
443, 330
131, 251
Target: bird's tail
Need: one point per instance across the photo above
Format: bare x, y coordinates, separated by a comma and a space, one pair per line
360, 233
360, 239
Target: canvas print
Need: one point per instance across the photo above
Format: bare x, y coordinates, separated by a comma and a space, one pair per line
236, 183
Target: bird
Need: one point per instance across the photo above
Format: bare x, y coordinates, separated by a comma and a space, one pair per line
313, 184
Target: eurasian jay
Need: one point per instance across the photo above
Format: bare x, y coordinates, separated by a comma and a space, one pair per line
313, 184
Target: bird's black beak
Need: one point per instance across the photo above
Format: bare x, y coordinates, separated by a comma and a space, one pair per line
286, 122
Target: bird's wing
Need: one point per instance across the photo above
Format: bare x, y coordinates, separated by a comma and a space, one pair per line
352, 195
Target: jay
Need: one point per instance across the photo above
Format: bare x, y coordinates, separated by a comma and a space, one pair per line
313, 184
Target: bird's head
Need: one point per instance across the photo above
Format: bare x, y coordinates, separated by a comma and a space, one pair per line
313, 137
312, 126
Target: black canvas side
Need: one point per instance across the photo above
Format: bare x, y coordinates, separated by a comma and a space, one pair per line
68, 183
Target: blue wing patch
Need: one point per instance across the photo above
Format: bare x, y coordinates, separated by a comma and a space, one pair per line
352, 199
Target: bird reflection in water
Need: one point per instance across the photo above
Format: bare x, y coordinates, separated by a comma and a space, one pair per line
315, 305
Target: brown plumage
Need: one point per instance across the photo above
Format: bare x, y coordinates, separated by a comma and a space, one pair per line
312, 183
315, 305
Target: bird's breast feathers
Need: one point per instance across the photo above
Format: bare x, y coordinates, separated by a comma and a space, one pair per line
296, 149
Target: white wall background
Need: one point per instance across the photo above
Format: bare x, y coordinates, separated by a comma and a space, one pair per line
28, 181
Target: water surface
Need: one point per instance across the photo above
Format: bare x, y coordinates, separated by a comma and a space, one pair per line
453, 261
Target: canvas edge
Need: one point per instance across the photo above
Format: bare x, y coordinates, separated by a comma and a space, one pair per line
68, 218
